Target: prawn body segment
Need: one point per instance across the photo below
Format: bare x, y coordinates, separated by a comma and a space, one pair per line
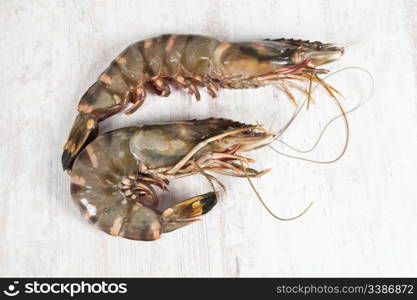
190, 62
114, 179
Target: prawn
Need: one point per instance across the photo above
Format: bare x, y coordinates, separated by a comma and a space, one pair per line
192, 61
113, 178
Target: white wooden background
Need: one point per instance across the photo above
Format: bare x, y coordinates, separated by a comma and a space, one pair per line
364, 218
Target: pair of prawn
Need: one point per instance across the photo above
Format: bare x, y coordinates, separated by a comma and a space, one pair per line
114, 175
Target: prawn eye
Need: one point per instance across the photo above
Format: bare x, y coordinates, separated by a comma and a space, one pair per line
317, 45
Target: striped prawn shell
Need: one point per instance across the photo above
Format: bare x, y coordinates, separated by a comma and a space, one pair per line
163, 56
101, 169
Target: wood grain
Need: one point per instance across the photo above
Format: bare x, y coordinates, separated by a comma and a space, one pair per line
363, 221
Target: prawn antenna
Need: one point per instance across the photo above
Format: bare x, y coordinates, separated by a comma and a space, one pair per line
274, 215
343, 114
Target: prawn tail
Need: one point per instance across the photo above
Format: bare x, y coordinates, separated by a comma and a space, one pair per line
84, 130
185, 212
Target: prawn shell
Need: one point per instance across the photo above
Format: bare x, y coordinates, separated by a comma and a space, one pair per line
102, 184
164, 145
95, 187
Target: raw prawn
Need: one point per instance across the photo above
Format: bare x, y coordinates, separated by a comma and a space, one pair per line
113, 178
190, 61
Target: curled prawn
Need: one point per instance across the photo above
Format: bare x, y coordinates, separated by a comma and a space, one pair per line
192, 61
113, 179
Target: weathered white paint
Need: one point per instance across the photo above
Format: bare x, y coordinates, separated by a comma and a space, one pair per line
363, 221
